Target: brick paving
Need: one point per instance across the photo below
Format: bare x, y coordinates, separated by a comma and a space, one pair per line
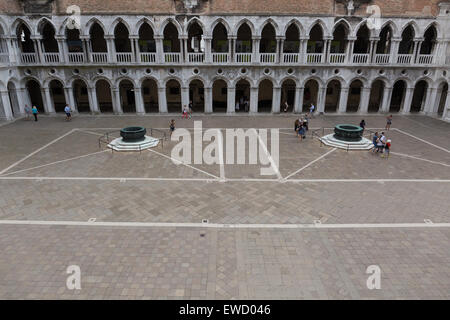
174, 263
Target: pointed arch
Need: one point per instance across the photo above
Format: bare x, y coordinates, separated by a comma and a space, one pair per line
274, 25
192, 21
346, 25
295, 22
115, 23
90, 23
391, 24
220, 21
168, 21
241, 23
17, 23
41, 24
143, 21
323, 26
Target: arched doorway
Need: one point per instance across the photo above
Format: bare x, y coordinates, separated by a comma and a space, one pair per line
332, 96
398, 95
150, 95
220, 95
354, 96
419, 96
197, 95
376, 96
242, 103
80, 94
57, 94
13, 100
104, 97
310, 94
173, 96
127, 97
265, 96
443, 88
288, 89
35, 94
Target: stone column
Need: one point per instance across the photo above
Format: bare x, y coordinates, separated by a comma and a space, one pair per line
276, 99
184, 97
134, 55
321, 99
116, 99
38, 49
407, 99
416, 51
255, 48
254, 92
304, 52
93, 102
364, 100
49, 107
63, 49
162, 99
231, 48
373, 49
387, 96
446, 113
111, 49
159, 49
430, 102
394, 49
20, 93
139, 100
343, 99
208, 99
350, 46
12, 49
7, 108
280, 50
208, 49
231, 99
327, 48
298, 103
184, 48
86, 49
70, 99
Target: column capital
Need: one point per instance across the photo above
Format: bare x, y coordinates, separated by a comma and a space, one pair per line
158, 37
109, 37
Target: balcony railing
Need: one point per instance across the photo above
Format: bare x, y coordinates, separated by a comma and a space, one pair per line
172, 57
267, 57
314, 57
220, 57
51, 57
336, 58
4, 57
28, 58
76, 57
99, 57
360, 58
148, 57
425, 59
124, 57
382, 58
404, 58
291, 58
196, 57
243, 57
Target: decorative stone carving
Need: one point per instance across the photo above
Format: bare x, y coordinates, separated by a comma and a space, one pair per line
352, 5
37, 6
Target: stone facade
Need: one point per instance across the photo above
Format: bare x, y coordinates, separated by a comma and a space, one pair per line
156, 56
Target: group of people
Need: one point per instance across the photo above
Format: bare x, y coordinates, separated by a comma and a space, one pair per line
242, 103
381, 144
301, 126
187, 111
34, 111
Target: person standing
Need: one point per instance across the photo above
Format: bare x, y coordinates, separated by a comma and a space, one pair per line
388, 122
362, 124
172, 127
286, 106
27, 111
374, 141
35, 112
191, 109
185, 113
387, 148
311, 110
68, 111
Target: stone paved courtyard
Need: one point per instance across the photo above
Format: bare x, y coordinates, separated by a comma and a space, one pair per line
260, 241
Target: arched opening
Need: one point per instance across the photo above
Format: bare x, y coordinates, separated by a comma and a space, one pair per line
147, 44
315, 42
121, 38
407, 43
362, 43
14, 102
173, 94
195, 38
443, 88
384, 44
265, 96
354, 96
127, 97
197, 95
376, 96
49, 42
150, 95
244, 39
26, 45
332, 96
310, 94
220, 39
171, 42
104, 97
81, 96
35, 94
292, 42
419, 96
268, 42
57, 94
74, 43
398, 95
288, 89
339, 42
219, 92
4, 56
97, 37
242, 96
429, 41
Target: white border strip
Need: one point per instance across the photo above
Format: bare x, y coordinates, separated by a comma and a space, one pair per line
424, 141
312, 162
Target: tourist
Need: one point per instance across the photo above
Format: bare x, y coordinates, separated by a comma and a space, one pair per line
27, 111
185, 113
296, 125
362, 124
388, 122
191, 109
246, 104
387, 148
172, 127
35, 112
311, 110
383, 141
305, 122
237, 106
67, 110
374, 141
286, 106
301, 132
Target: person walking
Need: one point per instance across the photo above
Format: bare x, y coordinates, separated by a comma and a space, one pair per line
387, 148
35, 112
388, 122
185, 113
301, 132
191, 109
68, 111
362, 124
311, 110
374, 141
171, 127
28, 112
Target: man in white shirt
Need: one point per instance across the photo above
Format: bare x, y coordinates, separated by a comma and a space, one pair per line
311, 109
68, 111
